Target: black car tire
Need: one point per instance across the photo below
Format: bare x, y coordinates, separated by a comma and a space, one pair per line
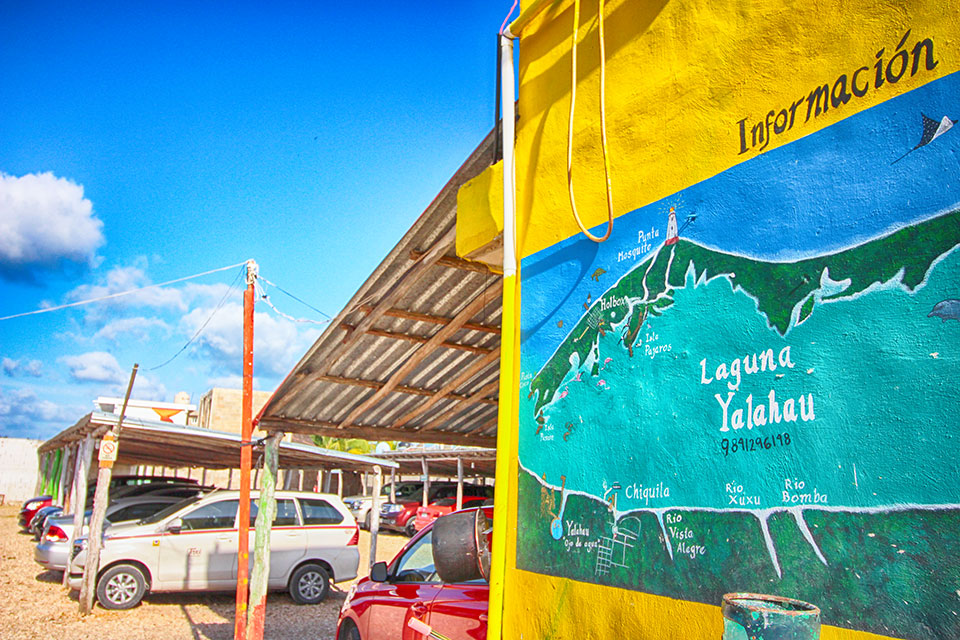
348, 631
121, 587
309, 584
410, 529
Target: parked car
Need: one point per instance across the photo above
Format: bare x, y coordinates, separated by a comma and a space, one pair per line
30, 508
53, 549
443, 506
379, 607
360, 505
192, 546
40, 518
401, 515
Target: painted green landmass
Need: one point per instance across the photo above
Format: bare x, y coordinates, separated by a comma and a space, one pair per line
777, 287
893, 573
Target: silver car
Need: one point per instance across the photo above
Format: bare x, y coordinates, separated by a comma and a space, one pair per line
53, 549
193, 547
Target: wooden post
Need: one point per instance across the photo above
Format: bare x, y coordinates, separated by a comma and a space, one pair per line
459, 484
393, 485
426, 481
340, 483
246, 426
375, 513
79, 504
266, 514
62, 482
108, 454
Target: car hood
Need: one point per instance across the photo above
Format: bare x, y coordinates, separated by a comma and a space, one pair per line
128, 529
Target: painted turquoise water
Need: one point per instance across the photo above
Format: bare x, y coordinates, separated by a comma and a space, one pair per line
881, 374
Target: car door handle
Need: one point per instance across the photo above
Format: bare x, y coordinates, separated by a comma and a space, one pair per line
418, 608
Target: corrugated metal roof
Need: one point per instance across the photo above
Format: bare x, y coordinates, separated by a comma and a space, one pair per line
477, 461
414, 356
173, 445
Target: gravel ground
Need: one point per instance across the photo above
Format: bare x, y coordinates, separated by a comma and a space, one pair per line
34, 605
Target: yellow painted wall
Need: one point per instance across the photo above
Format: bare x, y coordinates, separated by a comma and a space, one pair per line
680, 75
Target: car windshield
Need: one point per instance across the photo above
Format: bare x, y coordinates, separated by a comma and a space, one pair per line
405, 490
163, 513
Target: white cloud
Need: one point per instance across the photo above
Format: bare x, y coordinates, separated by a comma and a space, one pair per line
137, 326
94, 366
44, 221
145, 388
18, 368
277, 343
23, 414
120, 279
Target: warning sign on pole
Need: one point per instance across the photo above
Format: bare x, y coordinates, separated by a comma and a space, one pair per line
108, 448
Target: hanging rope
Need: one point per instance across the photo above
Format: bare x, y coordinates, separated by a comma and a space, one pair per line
603, 124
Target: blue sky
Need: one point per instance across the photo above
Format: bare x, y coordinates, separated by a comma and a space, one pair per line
143, 144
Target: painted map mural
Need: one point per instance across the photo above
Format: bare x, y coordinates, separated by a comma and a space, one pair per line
755, 384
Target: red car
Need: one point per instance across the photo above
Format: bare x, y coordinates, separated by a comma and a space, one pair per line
30, 508
426, 515
400, 515
380, 606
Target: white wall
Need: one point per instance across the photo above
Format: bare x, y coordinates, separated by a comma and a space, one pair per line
18, 468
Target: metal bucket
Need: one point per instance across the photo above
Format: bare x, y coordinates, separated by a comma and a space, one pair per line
755, 616
460, 548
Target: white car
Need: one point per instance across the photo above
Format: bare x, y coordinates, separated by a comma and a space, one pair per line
192, 546
52, 551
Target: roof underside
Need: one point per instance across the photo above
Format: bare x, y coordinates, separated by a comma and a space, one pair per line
415, 354
443, 462
171, 445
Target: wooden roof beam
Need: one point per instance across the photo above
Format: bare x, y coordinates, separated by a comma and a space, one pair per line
400, 287
464, 404
457, 263
423, 317
373, 384
323, 428
410, 338
447, 389
481, 300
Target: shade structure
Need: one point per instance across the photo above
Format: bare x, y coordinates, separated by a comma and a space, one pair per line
415, 355
160, 443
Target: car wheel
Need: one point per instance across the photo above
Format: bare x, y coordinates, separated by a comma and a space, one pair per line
309, 584
348, 631
121, 587
410, 529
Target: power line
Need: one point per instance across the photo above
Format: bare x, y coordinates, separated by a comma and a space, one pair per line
263, 296
119, 294
306, 304
223, 300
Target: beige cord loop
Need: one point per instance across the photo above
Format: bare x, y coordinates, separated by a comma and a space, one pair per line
603, 125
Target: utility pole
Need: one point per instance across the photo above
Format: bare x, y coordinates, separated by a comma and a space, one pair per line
246, 454
109, 448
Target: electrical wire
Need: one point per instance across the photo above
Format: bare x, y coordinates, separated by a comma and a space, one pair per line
603, 125
223, 300
306, 304
509, 13
119, 294
263, 296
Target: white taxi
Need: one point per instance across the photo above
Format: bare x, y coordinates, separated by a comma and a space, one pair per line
192, 546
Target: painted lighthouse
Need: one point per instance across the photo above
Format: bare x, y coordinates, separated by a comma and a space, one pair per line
672, 235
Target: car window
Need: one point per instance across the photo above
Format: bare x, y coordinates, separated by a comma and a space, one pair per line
216, 515
416, 565
286, 513
136, 511
163, 513
317, 511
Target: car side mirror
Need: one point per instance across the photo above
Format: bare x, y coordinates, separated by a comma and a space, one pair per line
378, 572
175, 525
